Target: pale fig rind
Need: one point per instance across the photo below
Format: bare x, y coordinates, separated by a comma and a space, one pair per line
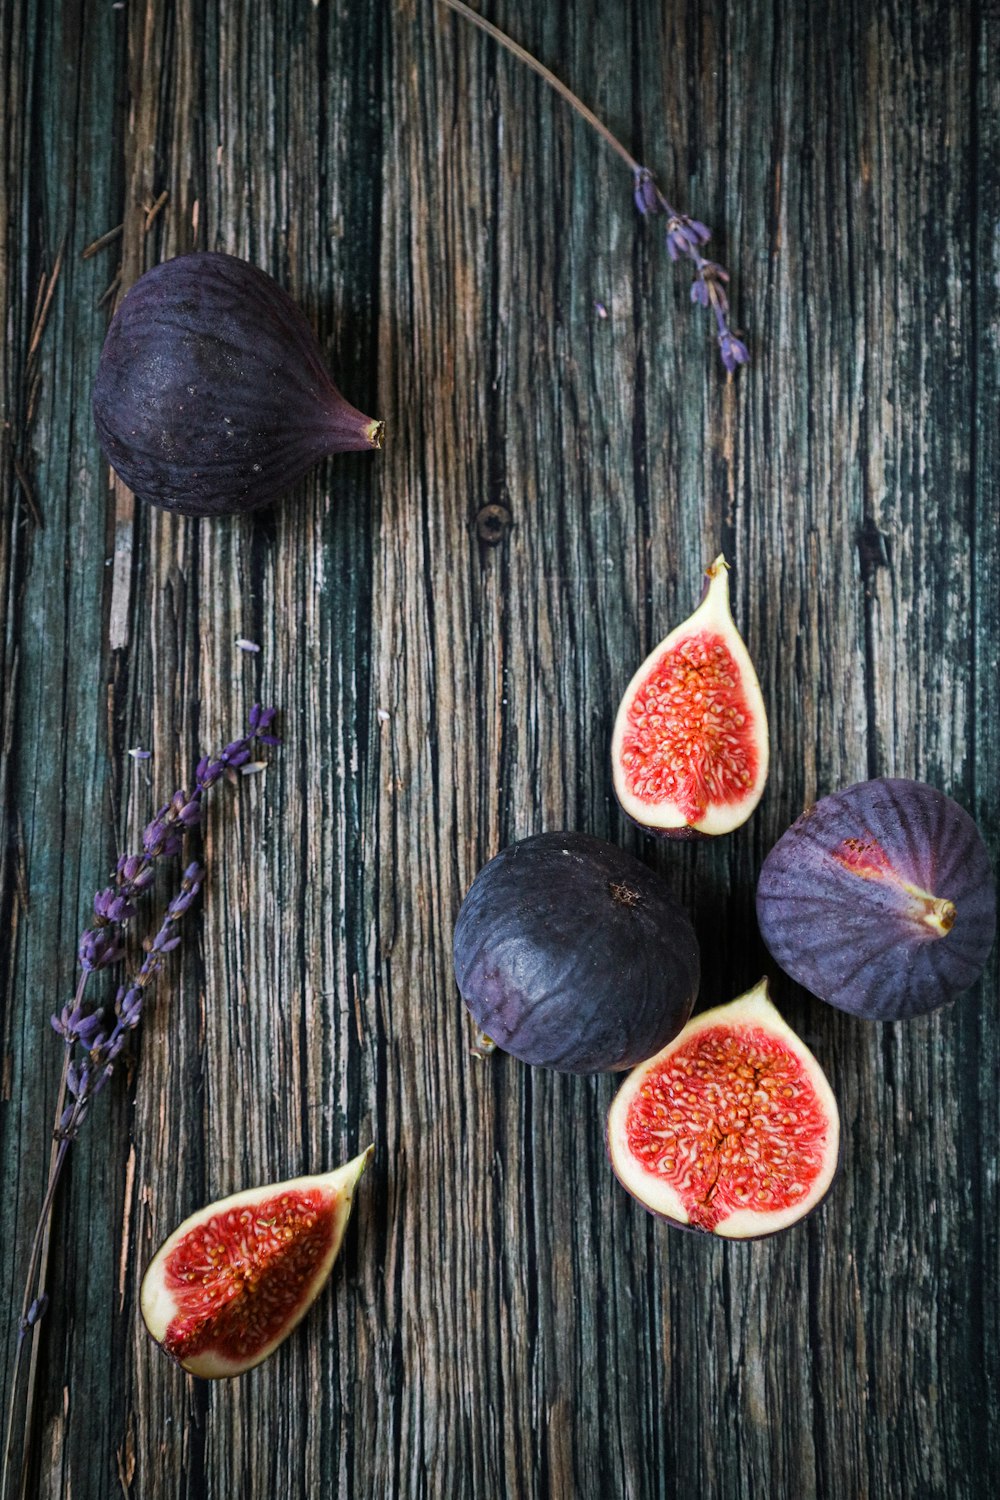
752, 1013
880, 899
725, 795
160, 1307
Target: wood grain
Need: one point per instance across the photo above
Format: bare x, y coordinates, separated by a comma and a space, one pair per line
504, 1321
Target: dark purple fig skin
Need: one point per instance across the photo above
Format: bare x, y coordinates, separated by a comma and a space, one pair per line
855, 942
211, 394
571, 954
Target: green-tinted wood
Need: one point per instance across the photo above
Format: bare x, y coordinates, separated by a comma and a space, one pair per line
505, 1321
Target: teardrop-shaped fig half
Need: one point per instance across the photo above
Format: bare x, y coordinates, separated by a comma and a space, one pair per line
231, 1282
732, 1129
211, 394
689, 754
880, 899
572, 954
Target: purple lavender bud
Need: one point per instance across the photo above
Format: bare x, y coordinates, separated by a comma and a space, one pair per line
102, 902
647, 199
88, 1029
98, 948
102, 1079
65, 1118
73, 1079
733, 350
152, 834
701, 233
128, 1004
181, 902
261, 718
58, 1024
190, 814
36, 1311
699, 292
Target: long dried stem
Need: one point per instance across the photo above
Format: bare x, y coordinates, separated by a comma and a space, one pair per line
685, 236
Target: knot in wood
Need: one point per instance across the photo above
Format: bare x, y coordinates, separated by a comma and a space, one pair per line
492, 524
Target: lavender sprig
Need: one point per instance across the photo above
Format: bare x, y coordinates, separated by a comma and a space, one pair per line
99, 1036
102, 944
685, 236
94, 1036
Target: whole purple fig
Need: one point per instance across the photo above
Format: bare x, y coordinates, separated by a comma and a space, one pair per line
880, 899
211, 394
572, 954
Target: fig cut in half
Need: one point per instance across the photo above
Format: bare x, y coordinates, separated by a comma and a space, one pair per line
880, 899
732, 1129
689, 753
231, 1282
572, 954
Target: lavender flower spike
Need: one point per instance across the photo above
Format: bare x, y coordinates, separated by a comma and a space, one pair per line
94, 1036
685, 236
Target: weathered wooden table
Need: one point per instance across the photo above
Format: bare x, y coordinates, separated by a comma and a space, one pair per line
504, 1320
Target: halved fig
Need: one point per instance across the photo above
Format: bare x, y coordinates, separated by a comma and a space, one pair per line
689, 754
732, 1129
880, 899
231, 1282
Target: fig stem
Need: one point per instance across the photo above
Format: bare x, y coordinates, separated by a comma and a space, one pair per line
939, 916
935, 912
483, 1045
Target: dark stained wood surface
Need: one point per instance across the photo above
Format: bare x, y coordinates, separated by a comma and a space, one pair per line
504, 1320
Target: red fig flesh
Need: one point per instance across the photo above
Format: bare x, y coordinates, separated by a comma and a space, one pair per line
880, 899
231, 1282
732, 1129
689, 752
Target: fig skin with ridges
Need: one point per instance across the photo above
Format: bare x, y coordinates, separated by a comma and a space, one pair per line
880, 899
690, 748
190, 1308
571, 954
739, 1071
211, 395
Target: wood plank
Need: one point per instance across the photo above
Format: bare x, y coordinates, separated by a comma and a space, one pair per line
505, 1321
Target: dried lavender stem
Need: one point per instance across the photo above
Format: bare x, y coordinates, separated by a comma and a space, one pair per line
685, 236
573, 100
99, 947
37, 1268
